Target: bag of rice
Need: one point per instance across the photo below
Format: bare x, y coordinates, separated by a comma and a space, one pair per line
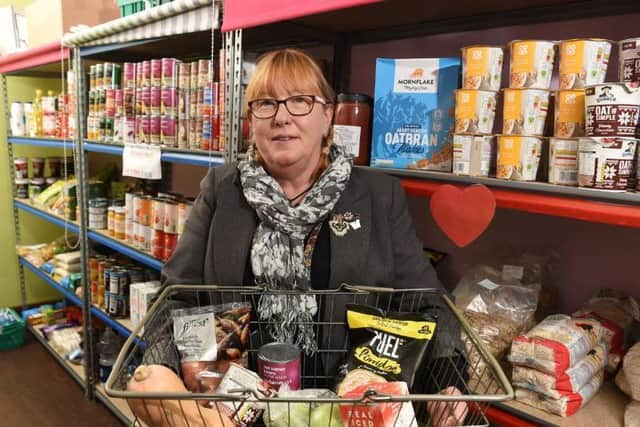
632, 414
631, 368
566, 405
555, 344
618, 315
570, 381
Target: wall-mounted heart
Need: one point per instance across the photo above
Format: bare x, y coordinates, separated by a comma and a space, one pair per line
463, 214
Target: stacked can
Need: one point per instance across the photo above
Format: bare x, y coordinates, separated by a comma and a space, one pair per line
222, 78
71, 105
169, 101
168, 218
126, 107
104, 83
142, 133
184, 96
98, 213
49, 115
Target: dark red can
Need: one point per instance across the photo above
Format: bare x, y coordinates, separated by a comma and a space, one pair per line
155, 100
119, 95
184, 75
146, 75
157, 243
129, 104
169, 101
110, 103
279, 363
170, 242
169, 72
129, 75
156, 73
154, 130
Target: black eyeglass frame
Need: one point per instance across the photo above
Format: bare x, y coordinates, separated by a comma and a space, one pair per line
313, 98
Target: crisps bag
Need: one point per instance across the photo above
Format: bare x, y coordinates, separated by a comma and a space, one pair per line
391, 345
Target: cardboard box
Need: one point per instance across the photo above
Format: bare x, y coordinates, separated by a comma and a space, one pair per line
48, 20
413, 113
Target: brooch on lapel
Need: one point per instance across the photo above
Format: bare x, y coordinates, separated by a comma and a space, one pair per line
341, 223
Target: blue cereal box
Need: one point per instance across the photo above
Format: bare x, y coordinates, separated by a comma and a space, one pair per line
413, 113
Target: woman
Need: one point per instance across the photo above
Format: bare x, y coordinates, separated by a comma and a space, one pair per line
295, 214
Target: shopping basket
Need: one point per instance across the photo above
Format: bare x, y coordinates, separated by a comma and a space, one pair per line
458, 358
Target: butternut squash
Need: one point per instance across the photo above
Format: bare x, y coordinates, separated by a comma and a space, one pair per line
165, 413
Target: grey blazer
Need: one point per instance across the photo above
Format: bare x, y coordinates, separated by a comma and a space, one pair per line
384, 251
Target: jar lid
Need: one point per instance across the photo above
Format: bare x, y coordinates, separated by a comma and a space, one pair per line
22, 181
354, 97
37, 181
51, 180
119, 210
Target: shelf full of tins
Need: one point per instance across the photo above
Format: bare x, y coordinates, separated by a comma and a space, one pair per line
133, 95
344, 29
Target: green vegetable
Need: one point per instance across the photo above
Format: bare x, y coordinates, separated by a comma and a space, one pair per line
325, 416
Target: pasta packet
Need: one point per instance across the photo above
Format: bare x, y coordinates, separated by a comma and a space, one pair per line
209, 339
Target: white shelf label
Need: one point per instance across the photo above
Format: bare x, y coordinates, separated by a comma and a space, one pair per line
141, 161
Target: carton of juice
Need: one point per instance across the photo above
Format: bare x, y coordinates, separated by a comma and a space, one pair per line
413, 114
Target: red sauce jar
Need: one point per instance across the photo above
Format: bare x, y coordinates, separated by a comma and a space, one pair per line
352, 125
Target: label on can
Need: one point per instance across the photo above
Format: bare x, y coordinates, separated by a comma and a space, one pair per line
143, 101
183, 133
155, 100
143, 124
169, 72
156, 73
110, 103
168, 131
170, 242
612, 109
170, 217
279, 363
129, 104
157, 215
129, 130
145, 75
154, 130
169, 101
129, 75
157, 244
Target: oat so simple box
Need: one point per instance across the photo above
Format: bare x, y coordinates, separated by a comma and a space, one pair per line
413, 114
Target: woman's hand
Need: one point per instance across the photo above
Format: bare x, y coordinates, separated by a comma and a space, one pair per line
447, 414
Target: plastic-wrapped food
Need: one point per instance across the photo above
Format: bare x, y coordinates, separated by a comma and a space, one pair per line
569, 381
619, 315
628, 378
556, 344
301, 414
210, 338
632, 414
565, 406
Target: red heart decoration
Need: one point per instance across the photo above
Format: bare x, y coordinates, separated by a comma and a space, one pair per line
463, 215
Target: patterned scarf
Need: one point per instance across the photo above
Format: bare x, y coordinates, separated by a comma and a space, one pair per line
277, 251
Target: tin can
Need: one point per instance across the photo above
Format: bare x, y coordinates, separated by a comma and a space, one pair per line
156, 73
155, 100
129, 235
184, 75
110, 220
143, 101
129, 205
106, 76
145, 77
170, 217
128, 130
184, 209
144, 210
157, 244
92, 77
37, 167
195, 133
93, 269
183, 103
136, 275
279, 363
154, 130
129, 102
119, 214
169, 101
169, 72
129, 75
206, 108
206, 138
119, 290
118, 125
157, 216
204, 72
99, 71
143, 125
168, 131
145, 237
183, 133
193, 76
110, 103
119, 100
194, 107
170, 242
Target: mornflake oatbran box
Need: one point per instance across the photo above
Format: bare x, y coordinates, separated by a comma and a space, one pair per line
413, 113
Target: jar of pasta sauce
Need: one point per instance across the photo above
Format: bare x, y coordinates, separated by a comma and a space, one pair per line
352, 125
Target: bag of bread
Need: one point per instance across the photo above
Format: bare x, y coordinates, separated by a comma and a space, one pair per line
619, 315
568, 404
386, 346
631, 369
556, 344
632, 414
570, 381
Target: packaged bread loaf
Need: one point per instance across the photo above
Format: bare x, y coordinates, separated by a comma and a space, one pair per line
632, 414
566, 405
631, 369
556, 344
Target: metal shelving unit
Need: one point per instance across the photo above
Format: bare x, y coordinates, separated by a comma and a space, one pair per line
169, 155
122, 247
26, 206
41, 142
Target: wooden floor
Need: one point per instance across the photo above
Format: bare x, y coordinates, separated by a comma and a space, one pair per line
36, 391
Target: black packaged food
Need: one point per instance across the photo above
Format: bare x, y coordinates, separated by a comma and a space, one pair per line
392, 345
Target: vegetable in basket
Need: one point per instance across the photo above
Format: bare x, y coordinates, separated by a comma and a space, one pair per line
301, 414
165, 413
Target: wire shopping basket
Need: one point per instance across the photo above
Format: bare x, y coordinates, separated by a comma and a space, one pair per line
457, 359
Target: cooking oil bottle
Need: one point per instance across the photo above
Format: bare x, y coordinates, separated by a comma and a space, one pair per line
35, 122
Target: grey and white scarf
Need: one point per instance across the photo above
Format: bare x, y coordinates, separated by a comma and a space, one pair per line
277, 252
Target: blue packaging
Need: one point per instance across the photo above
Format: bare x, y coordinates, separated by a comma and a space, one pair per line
413, 113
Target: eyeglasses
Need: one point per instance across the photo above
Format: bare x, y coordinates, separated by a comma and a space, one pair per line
297, 105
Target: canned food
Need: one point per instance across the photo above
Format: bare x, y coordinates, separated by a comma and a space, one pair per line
129, 130
606, 163
473, 154
144, 240
157, 243
155, 100
563, 161
129, 75
49, 124
204, 72
531, 64
156, 73
183, 133
279, 363
525, 111
129, 234
194, 106
612, 109
170, 242
154, 130
583, 62
569, 114
169, 72
119, 291
119, 98
518, 157
144, 210
143, 101
129, 104
184, 209
158, 210
110, 103
184, 75
119, 219
168, 131
21, 167
36, 185
206, 108
118, 125
630, 60
195, 133
145, 75
143, 129
169, 101
37, 167
206, 138
99, 76
475, 111
170, 217
183, 102
110, 220
482, 67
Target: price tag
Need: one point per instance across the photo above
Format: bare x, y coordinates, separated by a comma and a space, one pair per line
141, 161
486, 283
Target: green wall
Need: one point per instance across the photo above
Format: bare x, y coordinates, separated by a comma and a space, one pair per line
33, 229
